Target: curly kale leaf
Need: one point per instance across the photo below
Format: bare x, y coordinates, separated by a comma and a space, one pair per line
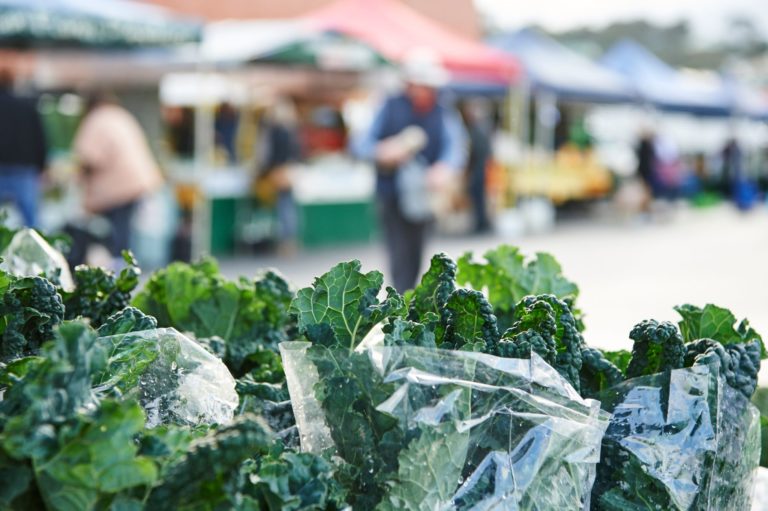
51, 392
367, 440
291, 481
598, 373
97, 459
99, 293
470, 323
433, 292
127, 320
250, 316
657, 347
82, 451
30, 307
545, 324
713, 322
401, 332
209, 464
508, 278
534, 330
428, 470
739, 364
342, 306
269, 401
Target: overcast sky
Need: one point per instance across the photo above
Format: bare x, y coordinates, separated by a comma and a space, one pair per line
708, 17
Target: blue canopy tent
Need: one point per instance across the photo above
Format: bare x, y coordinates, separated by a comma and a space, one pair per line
555, 69
91, 23
666, 88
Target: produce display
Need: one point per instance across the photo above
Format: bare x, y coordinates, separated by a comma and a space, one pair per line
474, 391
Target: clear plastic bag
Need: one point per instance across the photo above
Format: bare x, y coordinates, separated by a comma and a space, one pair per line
175, 379
682, 440
427, 429
29, 255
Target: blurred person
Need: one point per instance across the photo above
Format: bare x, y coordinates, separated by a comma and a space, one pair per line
417, 144
23, 151
479, 134
670, 170
646, 163
279, 151
225, 128
732, 166
117, 171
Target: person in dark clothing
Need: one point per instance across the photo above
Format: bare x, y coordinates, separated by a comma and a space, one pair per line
732, 169
225, 128
412, 131
646, 163
23, 151
479, 133
280, 148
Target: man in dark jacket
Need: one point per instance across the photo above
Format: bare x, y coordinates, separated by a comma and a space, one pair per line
23, 152
439, 150
479, 132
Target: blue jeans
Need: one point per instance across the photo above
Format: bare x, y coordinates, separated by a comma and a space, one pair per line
20, 184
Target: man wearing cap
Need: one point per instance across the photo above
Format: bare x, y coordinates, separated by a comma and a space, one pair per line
417, 144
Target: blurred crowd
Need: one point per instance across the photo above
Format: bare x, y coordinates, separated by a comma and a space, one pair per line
432, 155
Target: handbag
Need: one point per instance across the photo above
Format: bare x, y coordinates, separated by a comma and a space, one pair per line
413, 192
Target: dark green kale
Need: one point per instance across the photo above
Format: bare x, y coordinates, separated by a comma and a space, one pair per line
432, 293
598, 373
81, 449
542, 324
470, 323
507, 278
342, 306
51, 392
657, 347
250, 316
713, 322
99, 293
30, 307
534, 329
739, 364
210, 463
127, 320
291, 481
272, 403
401, 332
335, 314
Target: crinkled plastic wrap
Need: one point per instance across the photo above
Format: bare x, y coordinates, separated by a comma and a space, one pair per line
29, 255
175, 379
471, 431
682, 440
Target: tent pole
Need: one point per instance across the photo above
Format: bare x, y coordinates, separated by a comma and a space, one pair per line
204, 133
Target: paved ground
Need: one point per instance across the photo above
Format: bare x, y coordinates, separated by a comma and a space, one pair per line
627, 271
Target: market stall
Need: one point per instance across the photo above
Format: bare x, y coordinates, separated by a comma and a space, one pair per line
248, 67
559, 88
62, 50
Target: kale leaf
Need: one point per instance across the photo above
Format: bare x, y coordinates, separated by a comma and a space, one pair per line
657, 347
99, 293
713, 322
507, 277
30, 307
545, 324
250, 316
470, 323
342, 306
431, 295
